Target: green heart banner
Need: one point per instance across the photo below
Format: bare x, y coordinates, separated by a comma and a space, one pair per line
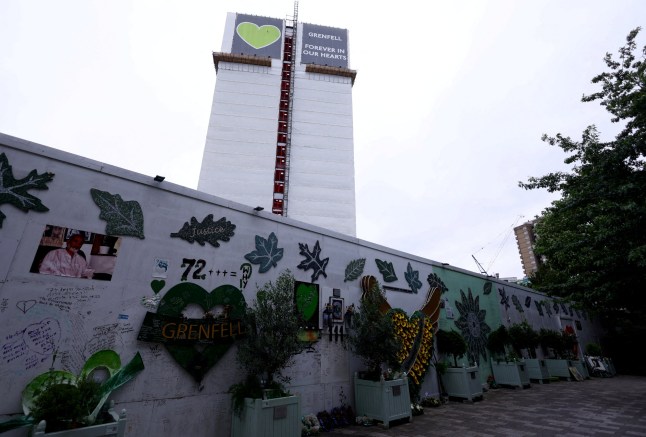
198, 358
257, 36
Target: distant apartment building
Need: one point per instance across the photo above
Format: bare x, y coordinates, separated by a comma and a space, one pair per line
525, 238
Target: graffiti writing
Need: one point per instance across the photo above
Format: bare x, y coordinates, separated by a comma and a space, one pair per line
200, 265
35, 344
64, 298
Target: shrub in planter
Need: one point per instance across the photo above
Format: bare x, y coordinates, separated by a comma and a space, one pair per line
373, 337
67, 401
451, 343
379, 394
551, 339
593, 349
522, 336
498, 341
271, 343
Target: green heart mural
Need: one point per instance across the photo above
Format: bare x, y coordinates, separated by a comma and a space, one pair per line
198, 360
157, 285
258, 36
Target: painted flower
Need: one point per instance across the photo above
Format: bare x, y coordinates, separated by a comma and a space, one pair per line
472, 324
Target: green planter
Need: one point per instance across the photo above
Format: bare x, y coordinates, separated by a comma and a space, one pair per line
384, 401
512, 373
111, 429
582, 368
280, 417
559, 368
462, 382
537, 370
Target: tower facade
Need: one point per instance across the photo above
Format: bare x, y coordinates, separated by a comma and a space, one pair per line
280, 134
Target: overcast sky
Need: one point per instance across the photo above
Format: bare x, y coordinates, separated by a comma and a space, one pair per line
450, 101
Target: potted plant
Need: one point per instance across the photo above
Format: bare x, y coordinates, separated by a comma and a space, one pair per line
457, 381
261, 404
524, 338
380, 393
58, 403
559, 360
562, 346
507, 368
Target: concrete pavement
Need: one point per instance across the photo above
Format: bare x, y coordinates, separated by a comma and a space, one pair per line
594, 407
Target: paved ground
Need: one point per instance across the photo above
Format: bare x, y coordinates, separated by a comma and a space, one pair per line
595, 407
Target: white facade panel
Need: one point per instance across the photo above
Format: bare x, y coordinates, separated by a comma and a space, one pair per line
239, 160
240, 150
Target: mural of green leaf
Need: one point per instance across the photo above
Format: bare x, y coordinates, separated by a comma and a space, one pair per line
267, 253
312, 260
548, 310
528, 301
206, 232
436, 282
122, 217
387, 270
354, 269
517, 304
539, 307
14, 191
486, 288
412, 277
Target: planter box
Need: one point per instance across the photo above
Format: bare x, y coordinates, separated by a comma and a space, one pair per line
582, 368
560, 368
462, 382
610, 365
510, 373
384, 401
280, 417
537, 370
111, 429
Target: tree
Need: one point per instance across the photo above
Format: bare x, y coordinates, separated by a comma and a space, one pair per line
593, 239
272, 321
373, 335
452, 343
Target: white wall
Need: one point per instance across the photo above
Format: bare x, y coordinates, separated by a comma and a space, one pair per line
163, 399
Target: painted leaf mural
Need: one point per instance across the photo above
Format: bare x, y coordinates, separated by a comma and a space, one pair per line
354, 269
312, 260
387, 270
486, 288
122, 217
528, 301
436, 282
504, 299
539, 307
517, 304
15, 191
412, 277
267, 253
207, 231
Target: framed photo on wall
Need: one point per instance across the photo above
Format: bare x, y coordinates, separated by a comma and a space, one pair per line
337, 309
